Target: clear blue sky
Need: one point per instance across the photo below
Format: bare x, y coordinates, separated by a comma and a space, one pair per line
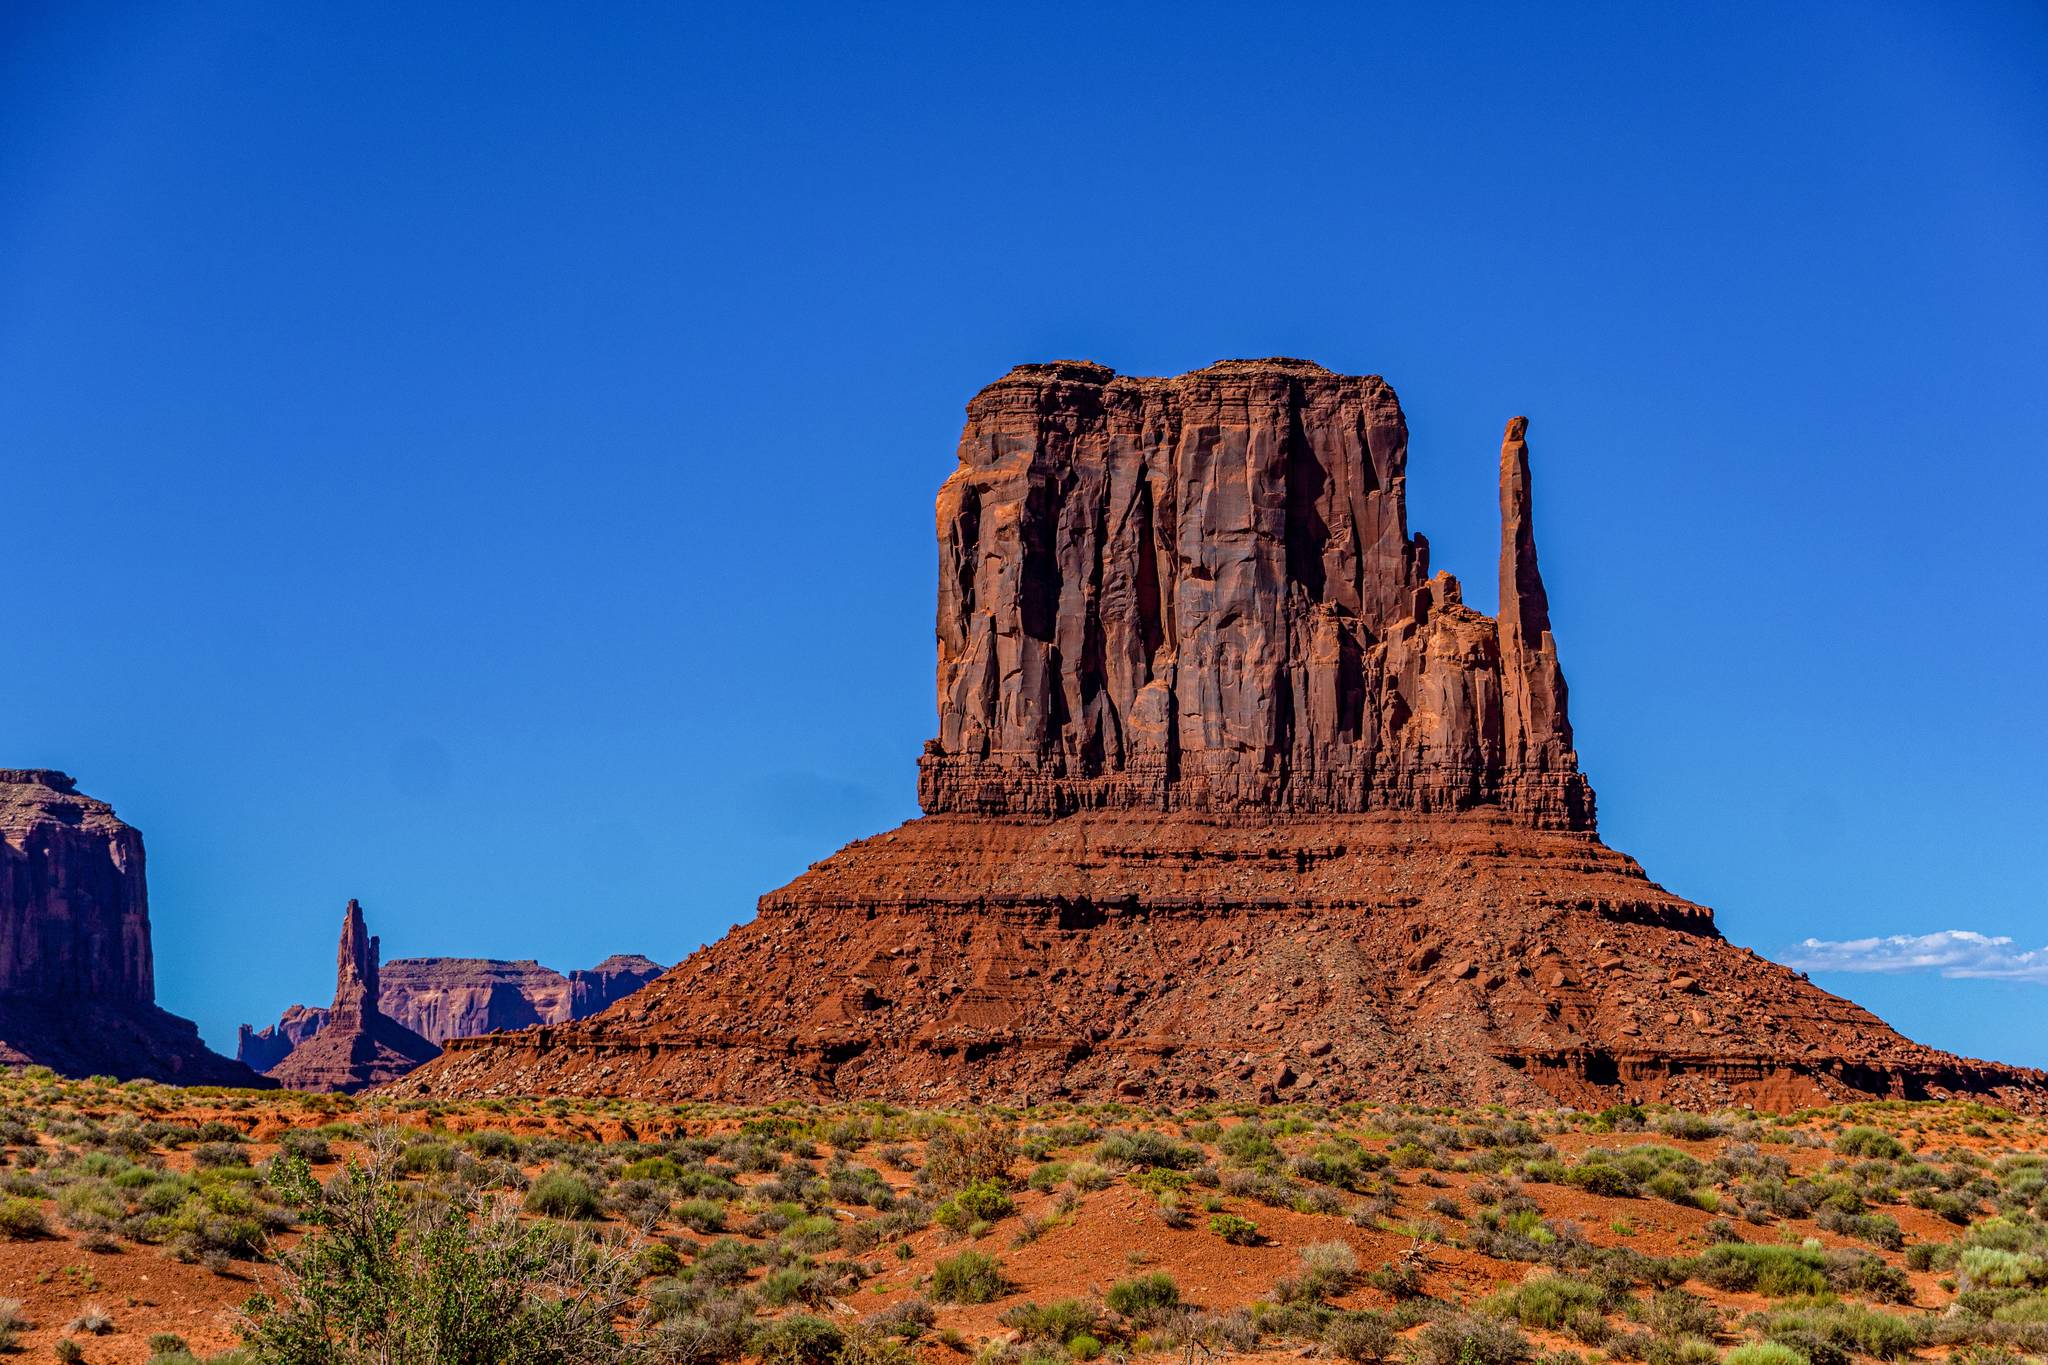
479, 459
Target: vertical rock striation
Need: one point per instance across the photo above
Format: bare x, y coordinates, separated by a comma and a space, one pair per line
1201, 594
77, 977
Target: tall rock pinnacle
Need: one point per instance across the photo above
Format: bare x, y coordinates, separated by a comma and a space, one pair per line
1536, 730
355, 977
357, 1045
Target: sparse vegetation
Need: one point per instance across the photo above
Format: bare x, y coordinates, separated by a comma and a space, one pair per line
633, 1233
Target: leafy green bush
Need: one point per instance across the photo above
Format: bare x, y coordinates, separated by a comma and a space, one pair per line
969, 1277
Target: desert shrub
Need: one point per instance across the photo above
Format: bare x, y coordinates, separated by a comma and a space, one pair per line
1143, 1298
702, 1215
1545, 1300
780, 1288
1603, 1178
562, 1194
422, 1158
799, 1339
1235, 1229
1991, 1268
908, 1319
969, 1277
954, 1157
1398, 1280
1870, 1142
309, 1147
218, 1154
1327, 1270
1878, 1229
67, 1351
1147, 1148
1763, 1353
1469, 1340
380, 1277
493, 1145
1363, 1338
1692, 1127
1675, 1314
979, 1201
1775, 1271
91, 1321
1059, 1322
1843, 1329
21, 1219
659, 1169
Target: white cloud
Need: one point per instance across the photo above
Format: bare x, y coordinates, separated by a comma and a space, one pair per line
1952, 952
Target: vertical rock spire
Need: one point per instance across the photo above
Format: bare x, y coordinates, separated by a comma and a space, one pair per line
355, 977
1537, 731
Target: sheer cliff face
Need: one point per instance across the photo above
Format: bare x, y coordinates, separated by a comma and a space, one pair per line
1200, 593
74, 914
77, 983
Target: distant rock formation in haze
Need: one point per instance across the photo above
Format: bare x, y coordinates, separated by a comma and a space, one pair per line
1231, 798
77, 973
359, 1045
460, 997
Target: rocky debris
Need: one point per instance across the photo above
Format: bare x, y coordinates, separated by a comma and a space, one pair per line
1230, 799
359, 1045
77, 978
459, 997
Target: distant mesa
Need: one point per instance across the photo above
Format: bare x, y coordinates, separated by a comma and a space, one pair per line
358, 1045
77, 972
440, 998
1232, 797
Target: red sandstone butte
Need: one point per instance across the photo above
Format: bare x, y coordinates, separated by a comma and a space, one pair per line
1231, 797
77, 976
358, 1046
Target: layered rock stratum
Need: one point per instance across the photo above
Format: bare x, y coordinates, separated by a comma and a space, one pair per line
77, 971
1231, 797
357, 1045
459, 997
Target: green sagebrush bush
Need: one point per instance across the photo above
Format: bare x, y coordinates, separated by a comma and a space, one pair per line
386, 1279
